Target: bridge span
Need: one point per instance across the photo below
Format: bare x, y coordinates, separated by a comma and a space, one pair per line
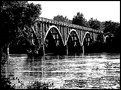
62, 38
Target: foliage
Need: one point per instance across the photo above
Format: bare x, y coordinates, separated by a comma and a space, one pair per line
15, 15
112, 31
94, 23
62, 19
112, 27
80, 20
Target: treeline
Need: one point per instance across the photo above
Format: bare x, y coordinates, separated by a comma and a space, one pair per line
111, 31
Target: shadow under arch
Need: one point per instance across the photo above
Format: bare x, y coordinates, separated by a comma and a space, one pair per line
53, 42
72, 44
87, 42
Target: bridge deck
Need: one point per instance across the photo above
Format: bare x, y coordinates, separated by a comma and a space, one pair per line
68, 25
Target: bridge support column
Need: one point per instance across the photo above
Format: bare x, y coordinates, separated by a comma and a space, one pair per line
67, 50
43, 60
8, 50
83, 49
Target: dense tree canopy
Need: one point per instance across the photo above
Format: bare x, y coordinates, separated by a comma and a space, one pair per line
112, 27
79, 20
62, 19
94, 23
15, 16
112, 31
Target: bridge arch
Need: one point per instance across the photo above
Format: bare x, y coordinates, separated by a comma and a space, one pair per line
53, 26
87, 42
72, 44
53, 41
87, 33
108, 37
72, 30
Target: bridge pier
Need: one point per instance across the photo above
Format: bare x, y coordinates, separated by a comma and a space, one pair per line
67, 50
83, 49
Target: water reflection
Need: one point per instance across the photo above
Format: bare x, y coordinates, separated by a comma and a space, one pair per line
78, 72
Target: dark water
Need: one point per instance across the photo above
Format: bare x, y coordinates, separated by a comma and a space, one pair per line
97, 71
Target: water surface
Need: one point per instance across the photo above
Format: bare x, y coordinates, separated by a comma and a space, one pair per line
98, 71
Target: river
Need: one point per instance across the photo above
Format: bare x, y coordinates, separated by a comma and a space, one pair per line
89, 71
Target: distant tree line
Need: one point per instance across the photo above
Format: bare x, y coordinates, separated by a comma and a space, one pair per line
111, 31
62, 19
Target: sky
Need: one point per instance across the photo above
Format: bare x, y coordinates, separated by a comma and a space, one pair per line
100, 10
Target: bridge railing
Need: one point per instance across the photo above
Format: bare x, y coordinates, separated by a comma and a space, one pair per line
68, 25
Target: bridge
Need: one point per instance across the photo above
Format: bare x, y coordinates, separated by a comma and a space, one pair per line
63, 38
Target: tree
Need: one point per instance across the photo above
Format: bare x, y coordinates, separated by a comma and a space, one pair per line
80, 20
94, 23
112, 31
62, 19
16, 15
111, 27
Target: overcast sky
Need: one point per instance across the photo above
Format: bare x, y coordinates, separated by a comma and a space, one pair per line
100, 10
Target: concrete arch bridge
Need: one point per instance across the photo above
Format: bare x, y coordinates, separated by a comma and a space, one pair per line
62, 38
